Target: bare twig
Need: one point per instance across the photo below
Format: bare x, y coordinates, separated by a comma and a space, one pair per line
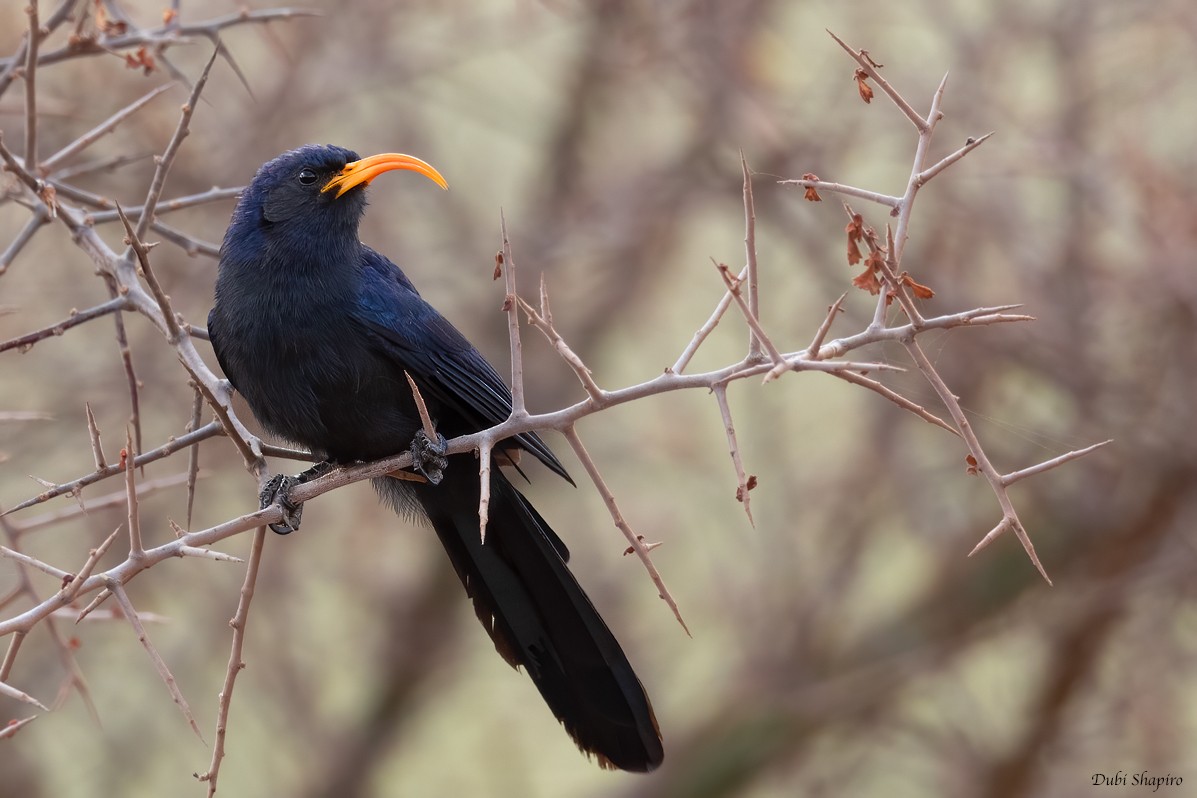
107, 126
543, 321
142, 251
71, 588
170, 447
867, 65
1015, 476
510, 305
1009, 516
10, 730
93, 432
160, 665
848, 191
136, 550
754, 305
705, 330
421, 408
35, 36
214, 194
33, 562
197, 416
236, 663
118, 498
40, 217
733, 286
744, 482
26, 341
634, 540
12, 692
172, 148
485, 450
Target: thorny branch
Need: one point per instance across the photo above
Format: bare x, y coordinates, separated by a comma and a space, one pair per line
44, 188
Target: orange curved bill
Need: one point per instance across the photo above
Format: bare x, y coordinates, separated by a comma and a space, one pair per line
362, 172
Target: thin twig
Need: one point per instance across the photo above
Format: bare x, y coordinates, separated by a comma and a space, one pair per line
897, 99
31, 86
754, 305
812, 351
705, 330
733, 286
26, 341
744, 482
543, 321
118, 498
1009, 515
485, 450
1047, 465
93, 433
13, 726
421, 408
40, 217
236, 663
102, 129
511, 306
172, 148
160, 665
848, 191
10, 656
636, 542
71, 588
968, 147
33, 562
214, 194
197, 416
142, 251
209, 430
136, 550
12, 692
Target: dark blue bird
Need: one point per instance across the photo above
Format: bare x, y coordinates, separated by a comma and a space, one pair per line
316, 331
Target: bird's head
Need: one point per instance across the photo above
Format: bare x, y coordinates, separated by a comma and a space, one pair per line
319, 186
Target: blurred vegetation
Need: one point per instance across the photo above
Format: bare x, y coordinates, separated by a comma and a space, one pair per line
843, 646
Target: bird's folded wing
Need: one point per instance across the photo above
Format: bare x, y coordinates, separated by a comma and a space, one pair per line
437, 356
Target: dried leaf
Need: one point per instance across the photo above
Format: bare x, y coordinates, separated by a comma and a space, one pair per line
866, 91
498, 265
106, 25
854, 255
919, 290
867, 281
749, 484
855, 228
811, 195
141, 59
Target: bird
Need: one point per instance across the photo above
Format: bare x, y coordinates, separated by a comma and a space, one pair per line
319, 333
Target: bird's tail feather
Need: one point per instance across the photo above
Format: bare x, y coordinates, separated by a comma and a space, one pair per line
538, 615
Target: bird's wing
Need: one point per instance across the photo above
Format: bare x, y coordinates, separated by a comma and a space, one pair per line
440, 359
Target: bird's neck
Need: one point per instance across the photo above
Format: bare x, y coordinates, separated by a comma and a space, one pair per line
279, 266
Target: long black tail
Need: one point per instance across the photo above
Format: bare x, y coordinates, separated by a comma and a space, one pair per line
538, 615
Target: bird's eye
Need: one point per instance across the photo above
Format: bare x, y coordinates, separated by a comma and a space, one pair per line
307, 177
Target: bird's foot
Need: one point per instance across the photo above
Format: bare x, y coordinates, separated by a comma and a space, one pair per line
278, 491
428, 456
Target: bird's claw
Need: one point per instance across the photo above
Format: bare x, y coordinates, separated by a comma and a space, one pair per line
278, 491
428, 456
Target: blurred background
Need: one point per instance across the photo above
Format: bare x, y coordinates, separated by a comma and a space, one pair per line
843, 646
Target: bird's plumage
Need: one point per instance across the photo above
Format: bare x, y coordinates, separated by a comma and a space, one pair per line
316, 331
